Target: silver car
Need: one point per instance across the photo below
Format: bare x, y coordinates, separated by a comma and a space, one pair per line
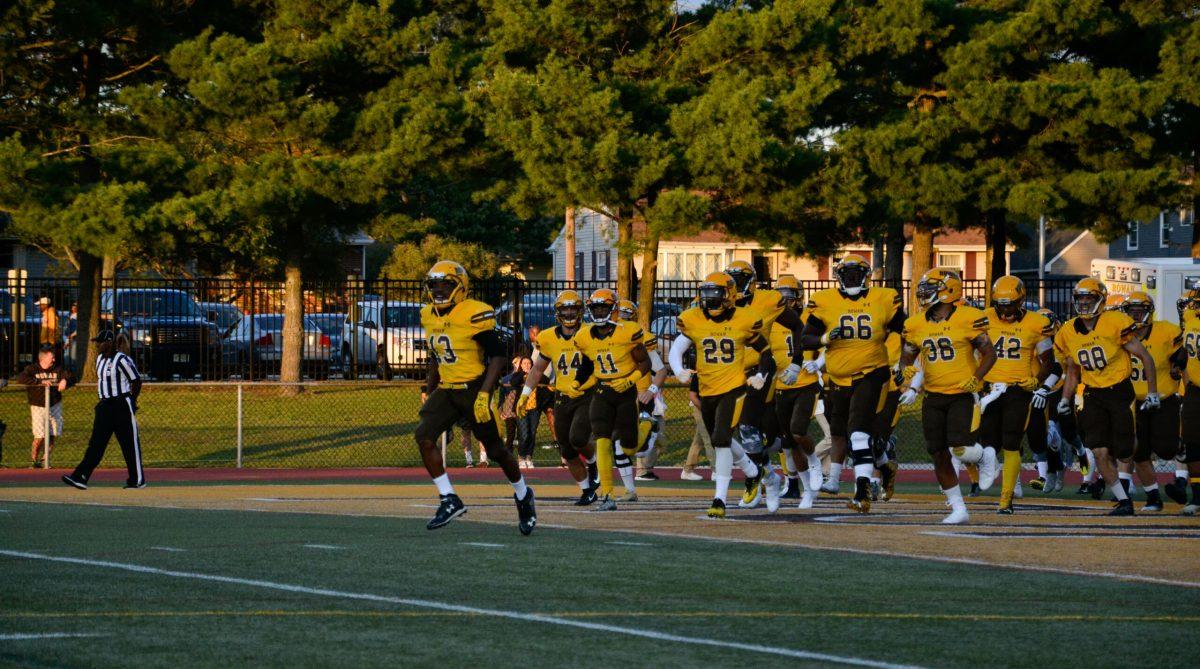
387, 338
257, 340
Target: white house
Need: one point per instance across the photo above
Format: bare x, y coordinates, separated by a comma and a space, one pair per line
690, 258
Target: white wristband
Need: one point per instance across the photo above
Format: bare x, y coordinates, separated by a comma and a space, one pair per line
653, 389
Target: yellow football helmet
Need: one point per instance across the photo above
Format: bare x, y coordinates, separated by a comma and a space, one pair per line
627, 310
852, 273
1114, 302
568, 308
446, 283
717, 293
1190, 299
1055, 323
939, 285
1139, 307
743, 275
1008, 298
601, 305
790, 289
1088, 297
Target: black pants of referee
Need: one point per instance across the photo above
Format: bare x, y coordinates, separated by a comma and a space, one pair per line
113, 417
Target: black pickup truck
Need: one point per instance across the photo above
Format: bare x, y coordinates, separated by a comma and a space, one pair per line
169, 333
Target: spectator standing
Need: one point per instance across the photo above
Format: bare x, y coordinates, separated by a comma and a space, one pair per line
700, 440
70, 332
50, 330
45, 410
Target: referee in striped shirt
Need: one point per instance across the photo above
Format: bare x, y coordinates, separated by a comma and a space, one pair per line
118, 385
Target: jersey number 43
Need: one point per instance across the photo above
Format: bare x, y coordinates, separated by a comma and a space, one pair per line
440, 345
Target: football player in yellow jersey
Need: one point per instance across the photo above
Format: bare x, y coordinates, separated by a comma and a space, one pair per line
558, 351
1189, 361
883, 445
648, 388
722, 333
1157, 430
796, 402
619, 361
758, 431
1024, 359
947, 337
1097, 345
855, 321
465, 362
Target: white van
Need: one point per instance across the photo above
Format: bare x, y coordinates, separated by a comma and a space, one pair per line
1164, 279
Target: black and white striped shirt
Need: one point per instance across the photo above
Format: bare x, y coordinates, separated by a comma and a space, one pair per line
115, 375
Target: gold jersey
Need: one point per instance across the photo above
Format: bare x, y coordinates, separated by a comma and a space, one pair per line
451, 338
563, 354
857, 330
1191, 346
948, 355
783, 346
1099, 352
1016, 346
1161, 342
768, 304
894, 344
721, 347
611, 354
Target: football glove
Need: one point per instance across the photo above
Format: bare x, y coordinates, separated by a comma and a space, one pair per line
757, 381
971, 385
622, 384
1152, 402
527, 402
908, 397
787, 377
1028, 383
483, 407
812, 366
1064, 407
685, 376
1040, 397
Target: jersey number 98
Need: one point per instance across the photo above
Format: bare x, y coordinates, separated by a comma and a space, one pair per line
1092, 359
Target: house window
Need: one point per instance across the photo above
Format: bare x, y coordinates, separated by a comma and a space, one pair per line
712, 263
1186, 216
954, 260
579, 266
669, 266
694, 266
1164, 231
1131, 239
600, 266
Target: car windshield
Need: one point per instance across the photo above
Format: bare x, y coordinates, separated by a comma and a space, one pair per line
403, 316
328, 323
223, 315
156, 303
275, 322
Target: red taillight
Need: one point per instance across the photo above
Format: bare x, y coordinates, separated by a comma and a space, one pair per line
265, 340
325, 341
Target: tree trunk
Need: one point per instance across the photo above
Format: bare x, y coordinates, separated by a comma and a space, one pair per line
624, 258
1195, 204
648, 279
569, 245
293, 331
89, 314
894, 263
996, 232
877, 259
109, 271
922, 259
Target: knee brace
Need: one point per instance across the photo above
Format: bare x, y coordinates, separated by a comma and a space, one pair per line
751, 439
860, 449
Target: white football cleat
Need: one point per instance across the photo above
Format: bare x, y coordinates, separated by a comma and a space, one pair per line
830, 486
806, 499
956, 517
1017, 492
987, 468
772, 485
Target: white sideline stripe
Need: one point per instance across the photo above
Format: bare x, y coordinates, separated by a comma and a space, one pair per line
325, 547
167, 549
1057, 535
482, 544
459, 608
44, 635
628, 543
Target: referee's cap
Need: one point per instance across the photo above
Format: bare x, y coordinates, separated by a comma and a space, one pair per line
104, 335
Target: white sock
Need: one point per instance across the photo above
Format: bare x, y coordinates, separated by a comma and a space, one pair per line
627, 477
443, 485
1118, 491
1150, 488
1126, 476
835, 471
467, 455
1043, 467
520, 488
723, 472
591, 460
790, 461
954, 496
1181, 474
585, 483
860, 442
958, 465
814, 472
742, 460
1092, 468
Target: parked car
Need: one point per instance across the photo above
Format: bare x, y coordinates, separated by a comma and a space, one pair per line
257, 341
221, 314
30, 327
331, 326
168, 333
387, 338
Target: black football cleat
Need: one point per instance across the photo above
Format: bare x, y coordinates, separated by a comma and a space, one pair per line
1096, 489
792, 490
1177, 490
586, 498
1084, 488
974, 492
1123, 508
1006, 510
526, 513
134, 486
70, 480
451, 507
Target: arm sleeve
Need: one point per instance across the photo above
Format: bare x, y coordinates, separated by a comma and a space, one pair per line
675, 357
492, 346
656, 362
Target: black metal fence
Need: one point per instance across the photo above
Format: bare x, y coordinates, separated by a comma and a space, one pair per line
215, 328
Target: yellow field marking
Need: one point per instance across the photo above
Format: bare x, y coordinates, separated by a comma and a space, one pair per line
850, 615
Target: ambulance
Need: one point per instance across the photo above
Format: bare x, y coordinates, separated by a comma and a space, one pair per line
1164, 279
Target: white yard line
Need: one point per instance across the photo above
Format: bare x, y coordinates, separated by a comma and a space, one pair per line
459, 608
627, 543
167, 549
325, 547
481, 544
44, 635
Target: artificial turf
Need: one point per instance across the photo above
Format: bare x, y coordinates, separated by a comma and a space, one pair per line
889, 610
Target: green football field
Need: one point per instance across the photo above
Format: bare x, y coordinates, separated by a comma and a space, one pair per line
120, 586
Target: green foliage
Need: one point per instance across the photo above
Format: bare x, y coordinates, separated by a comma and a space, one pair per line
411, 261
